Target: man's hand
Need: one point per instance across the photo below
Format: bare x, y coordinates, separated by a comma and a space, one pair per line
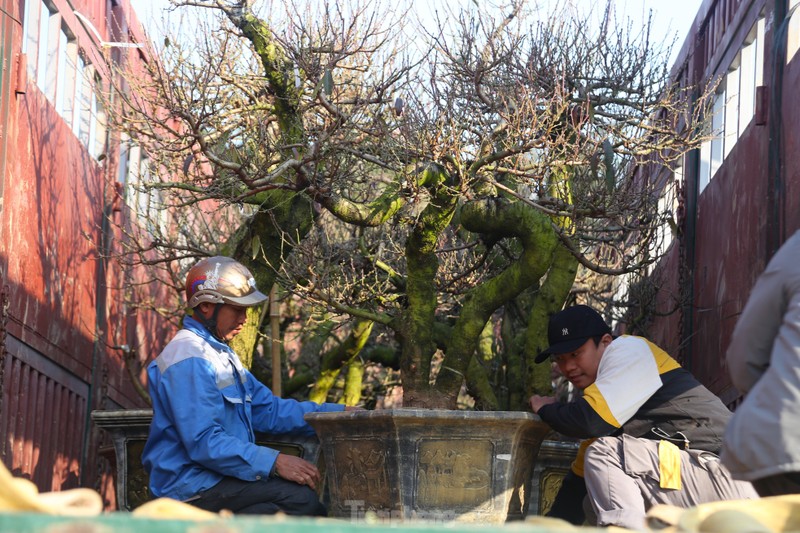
353, 408
537, 402
298, 470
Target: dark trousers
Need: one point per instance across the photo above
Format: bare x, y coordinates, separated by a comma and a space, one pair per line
788, 483
265, 496
568, 504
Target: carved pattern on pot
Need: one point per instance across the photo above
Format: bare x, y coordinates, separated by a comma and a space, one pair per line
551, 482
364, 476
454, 477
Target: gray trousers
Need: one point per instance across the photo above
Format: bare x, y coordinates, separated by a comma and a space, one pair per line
622, 479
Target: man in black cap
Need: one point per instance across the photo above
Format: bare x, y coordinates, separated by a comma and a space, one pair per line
652, 430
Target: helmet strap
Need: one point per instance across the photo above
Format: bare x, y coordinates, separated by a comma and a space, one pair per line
211, 322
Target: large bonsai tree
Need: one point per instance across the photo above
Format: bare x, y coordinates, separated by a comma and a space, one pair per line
441, 188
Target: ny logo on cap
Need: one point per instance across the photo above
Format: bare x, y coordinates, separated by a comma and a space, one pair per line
564, 332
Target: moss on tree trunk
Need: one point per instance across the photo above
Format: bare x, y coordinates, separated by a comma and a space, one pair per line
340, 356
497, 218
416, 323
548, 300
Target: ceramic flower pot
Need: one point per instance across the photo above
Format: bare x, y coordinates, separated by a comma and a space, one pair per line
436, 465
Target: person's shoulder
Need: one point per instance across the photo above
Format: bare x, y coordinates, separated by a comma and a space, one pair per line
619, 352
182, 339
184, 346
627, 350
625, 343
635, 342
786, 257
190, 337
639, 348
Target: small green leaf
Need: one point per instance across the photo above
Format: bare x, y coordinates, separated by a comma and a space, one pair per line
327, 82
256, 246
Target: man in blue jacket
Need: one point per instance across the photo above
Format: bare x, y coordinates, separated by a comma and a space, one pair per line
207, 406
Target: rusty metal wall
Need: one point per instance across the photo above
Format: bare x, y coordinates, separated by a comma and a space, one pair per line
8, 25
731, 226
736, 220
666, 329
44, 440
63, 309
791, 138
729, 254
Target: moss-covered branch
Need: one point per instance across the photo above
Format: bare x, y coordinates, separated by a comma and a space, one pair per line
479, 384
550, 298
496, 218
353, 382
369, 214
284, 219
278, 70
342, 354
416, 323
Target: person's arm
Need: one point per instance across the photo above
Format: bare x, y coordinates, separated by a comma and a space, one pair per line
575, 419
275, 415
627, 377
749, 352
189, 392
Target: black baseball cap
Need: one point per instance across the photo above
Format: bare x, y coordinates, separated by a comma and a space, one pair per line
569, 329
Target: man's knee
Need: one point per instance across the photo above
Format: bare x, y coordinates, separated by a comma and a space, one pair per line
603, 451
303, 502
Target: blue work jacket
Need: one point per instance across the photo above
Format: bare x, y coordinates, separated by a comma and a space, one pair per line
206, 408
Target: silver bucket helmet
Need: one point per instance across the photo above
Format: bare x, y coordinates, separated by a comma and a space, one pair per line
221, 279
